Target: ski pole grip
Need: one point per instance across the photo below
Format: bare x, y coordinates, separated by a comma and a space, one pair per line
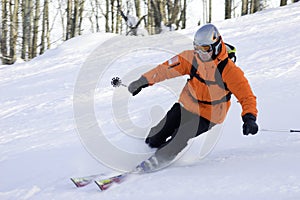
293, 131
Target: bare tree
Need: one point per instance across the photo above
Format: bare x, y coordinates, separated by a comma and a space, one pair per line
74, 18
62, 12
228, 7
69, 19
163, 12
4, 32
209, 11
26, 27
13, 30
168, 12
9, 31
29, 29
35, 29
94, 15
173, 12
80, 15
156, 15
137, 4
132, 26
106, 15
245, 4
255, 6
45, 28
283, 2
181, 16
112, 15
183, 12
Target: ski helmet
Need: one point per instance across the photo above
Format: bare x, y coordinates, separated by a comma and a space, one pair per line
207, 42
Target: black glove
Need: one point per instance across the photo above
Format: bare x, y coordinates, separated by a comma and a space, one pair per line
250, 126
136, 86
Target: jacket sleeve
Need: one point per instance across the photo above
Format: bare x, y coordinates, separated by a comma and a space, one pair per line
176, 66
237, 83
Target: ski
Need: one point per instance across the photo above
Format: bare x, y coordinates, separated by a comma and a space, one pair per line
86, 180
104, 184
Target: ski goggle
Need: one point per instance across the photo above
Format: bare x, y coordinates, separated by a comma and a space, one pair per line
203, 48
206, 48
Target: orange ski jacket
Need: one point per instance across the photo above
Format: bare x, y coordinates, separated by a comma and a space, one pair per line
205, 97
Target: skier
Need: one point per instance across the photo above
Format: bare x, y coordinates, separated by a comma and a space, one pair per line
204, 101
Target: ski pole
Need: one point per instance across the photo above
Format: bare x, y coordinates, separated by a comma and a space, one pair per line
272, 130
117, 82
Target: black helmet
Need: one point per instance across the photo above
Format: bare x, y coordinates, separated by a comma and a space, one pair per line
207, 42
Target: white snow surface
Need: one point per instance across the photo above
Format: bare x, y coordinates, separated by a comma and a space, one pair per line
41, 149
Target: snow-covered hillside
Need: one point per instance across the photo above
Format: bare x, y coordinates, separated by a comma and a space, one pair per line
41, 143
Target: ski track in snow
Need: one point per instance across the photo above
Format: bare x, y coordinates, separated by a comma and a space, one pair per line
40, 148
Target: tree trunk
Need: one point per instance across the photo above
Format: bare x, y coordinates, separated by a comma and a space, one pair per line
13, 31
156, 16
254, 6
35, 29
42, 49
209, 11
26, 38
150, 17
29, 33
228, 9
245, 7
74, 21
47, 24
69, 19
61, 11
106, 15
174, 13
184, 15
45, 28
97, 16
4, 31
112, 15
162, 10
283, 2
80, 15
137, 4
119, 18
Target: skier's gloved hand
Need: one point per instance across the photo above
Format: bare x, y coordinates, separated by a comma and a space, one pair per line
250, 126
154, 143
136, 86
148, 165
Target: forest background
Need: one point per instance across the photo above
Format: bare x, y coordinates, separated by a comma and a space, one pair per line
29, 27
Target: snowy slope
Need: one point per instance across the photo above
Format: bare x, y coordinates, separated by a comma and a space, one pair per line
41, 148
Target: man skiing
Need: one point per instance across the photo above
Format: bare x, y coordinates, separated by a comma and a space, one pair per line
204, 101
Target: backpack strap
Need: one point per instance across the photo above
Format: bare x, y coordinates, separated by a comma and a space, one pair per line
218, 77
193, 73
225, 98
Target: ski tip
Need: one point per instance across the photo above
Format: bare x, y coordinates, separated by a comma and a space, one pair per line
79, 184
75, 183
103, 185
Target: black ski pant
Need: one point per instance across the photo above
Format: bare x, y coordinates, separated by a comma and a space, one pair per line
172, 133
